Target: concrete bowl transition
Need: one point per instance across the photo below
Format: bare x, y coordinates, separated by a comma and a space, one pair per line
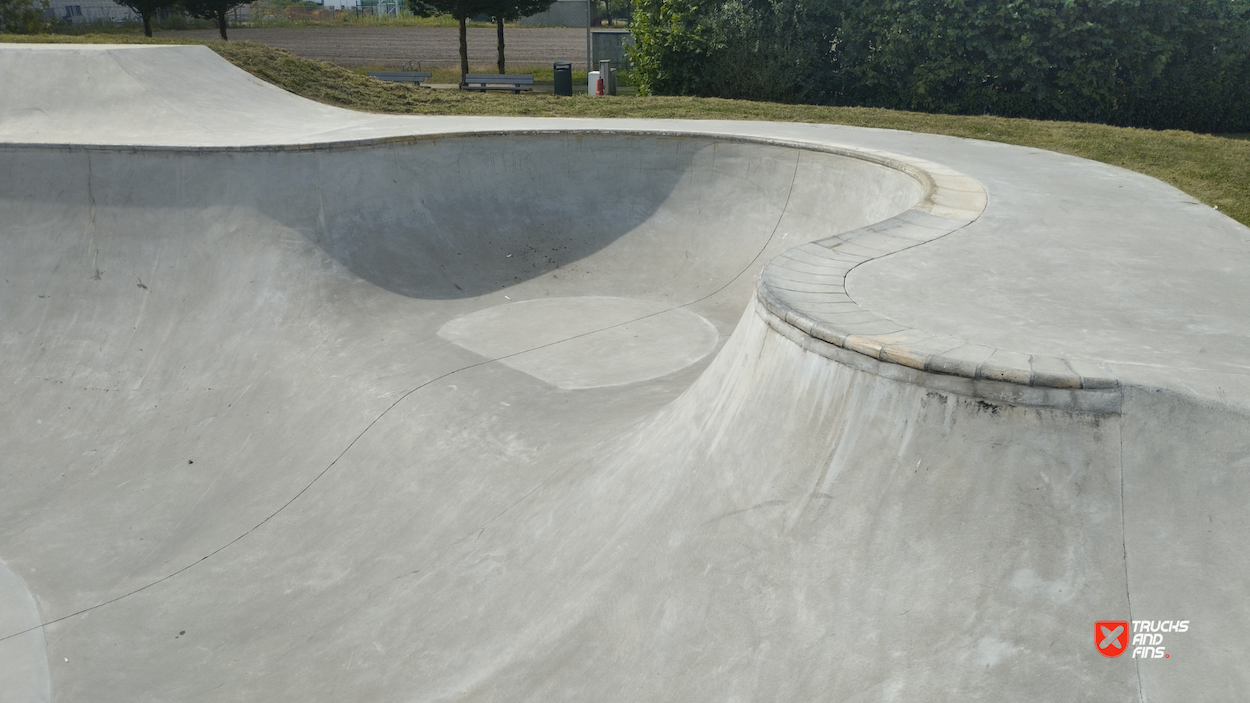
306, 404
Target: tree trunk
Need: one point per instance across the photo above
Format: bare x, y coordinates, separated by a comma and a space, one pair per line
221, 24
607, 12
499, 35
147, 24
464, 51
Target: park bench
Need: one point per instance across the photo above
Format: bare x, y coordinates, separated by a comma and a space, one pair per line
400, 76
498, 81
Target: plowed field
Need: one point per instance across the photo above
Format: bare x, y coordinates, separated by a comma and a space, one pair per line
432, 46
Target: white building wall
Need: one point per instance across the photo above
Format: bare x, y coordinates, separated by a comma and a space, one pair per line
562, 13
81, 11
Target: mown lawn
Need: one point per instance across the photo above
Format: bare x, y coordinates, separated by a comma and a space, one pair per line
1213, 169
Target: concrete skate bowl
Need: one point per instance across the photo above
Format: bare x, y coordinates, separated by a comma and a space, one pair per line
571, 415
171, 286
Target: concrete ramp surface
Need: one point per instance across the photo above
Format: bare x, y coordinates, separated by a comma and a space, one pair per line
304, 404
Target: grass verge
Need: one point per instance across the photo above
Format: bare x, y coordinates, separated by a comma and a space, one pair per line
543, 75
1213, 169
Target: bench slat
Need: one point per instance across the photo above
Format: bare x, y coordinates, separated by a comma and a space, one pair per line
401, 76
502, 88
496, 78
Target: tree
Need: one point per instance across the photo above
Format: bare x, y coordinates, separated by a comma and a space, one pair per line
460, 10
511, 11
146, 9
217, 10
23, 16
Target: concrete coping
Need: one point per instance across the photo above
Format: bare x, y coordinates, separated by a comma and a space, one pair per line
806, 288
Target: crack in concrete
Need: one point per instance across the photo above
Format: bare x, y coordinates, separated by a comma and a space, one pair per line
1128, 597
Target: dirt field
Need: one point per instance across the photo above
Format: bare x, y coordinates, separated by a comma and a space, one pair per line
433, 46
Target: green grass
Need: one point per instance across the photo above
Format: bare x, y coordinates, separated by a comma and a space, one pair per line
175, 22
98, 38
543, 75
1213, 169
266, 17
344, 18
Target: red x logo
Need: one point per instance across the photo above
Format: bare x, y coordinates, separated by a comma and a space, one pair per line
1111, 637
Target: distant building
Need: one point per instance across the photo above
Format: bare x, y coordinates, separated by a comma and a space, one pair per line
562, 13
83, 11
610, 44
339, 4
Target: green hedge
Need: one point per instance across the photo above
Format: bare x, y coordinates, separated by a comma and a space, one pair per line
1181, 64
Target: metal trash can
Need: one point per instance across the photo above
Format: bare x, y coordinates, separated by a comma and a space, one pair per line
563, 78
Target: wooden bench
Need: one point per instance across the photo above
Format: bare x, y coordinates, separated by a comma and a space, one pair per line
498, 81
401, 76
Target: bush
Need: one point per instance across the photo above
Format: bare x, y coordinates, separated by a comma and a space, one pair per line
752, 49
23, 16
1146, 63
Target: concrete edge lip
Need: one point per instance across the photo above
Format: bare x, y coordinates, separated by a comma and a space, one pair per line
952, 201
1090, 401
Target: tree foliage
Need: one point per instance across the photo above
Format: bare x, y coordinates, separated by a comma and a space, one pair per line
146, 9
460, 10
1147, 63
23, 16
216, 10
511, 11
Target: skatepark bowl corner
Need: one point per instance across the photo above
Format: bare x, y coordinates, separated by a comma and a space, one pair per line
306, 404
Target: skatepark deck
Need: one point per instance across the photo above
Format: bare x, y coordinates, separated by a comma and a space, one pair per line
307, 404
